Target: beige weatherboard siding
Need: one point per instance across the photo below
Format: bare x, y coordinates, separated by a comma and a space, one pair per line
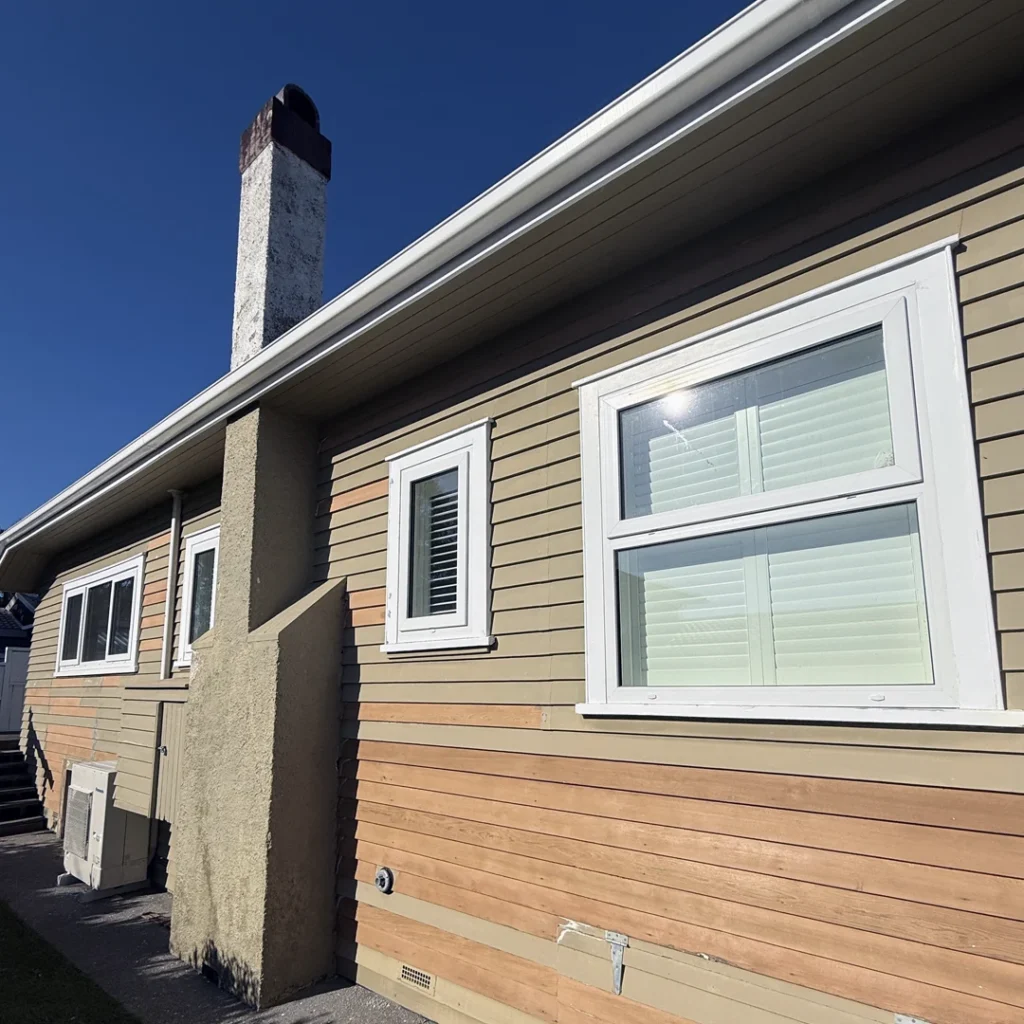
114, 716
749, 870
767, 872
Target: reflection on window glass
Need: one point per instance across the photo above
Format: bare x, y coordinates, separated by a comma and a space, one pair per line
831, 601
434, 545
201, 612
72, 628
121, 617
97, 615
823, 413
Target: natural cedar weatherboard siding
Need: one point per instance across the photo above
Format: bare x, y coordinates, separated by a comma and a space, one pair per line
882, 867
107, 717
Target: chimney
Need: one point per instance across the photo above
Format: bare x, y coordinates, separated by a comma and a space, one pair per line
285, 164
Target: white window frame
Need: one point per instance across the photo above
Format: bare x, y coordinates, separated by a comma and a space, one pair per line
195, 544
467, 449
111, 664
914, 298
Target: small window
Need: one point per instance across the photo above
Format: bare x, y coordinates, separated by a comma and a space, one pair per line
199, 590
100, 621
782, 517
438, 574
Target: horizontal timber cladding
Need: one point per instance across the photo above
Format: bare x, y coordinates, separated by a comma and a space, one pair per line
107, 717
827, 873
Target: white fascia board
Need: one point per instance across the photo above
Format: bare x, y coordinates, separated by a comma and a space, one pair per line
750, 51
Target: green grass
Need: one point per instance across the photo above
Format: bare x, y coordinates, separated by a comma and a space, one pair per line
40, 986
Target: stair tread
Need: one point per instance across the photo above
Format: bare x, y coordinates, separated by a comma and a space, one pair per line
20, 825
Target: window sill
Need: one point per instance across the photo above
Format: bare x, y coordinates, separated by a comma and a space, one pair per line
977, 717
122, 668
462, 643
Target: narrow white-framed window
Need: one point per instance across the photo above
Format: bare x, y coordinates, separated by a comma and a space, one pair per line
439, 543
99, 621
199, 589
782, 516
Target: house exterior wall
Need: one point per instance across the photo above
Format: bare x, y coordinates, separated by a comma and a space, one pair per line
763, 872
108, 717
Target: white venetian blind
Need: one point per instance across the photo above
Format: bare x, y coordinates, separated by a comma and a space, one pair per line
847, 600
836, 600
434, 563
818, 415
683, 614
823, 414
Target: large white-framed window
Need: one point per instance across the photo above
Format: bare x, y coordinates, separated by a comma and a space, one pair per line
199, 589
99, 621
782, 516
439, 543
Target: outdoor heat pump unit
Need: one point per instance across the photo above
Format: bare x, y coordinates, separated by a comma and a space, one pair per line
104, 846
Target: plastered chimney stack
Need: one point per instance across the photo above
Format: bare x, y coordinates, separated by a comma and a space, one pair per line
285, 164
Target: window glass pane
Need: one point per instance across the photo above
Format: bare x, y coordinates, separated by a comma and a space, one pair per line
820, 414
72, 626
834, 601
97, 614
683, 617
201, 612
433, 579
121, 618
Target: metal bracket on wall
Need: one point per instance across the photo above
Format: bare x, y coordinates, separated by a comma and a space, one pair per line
902, 1018
618, 942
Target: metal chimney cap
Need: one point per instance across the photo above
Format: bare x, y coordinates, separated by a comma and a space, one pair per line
300, 102
291, 120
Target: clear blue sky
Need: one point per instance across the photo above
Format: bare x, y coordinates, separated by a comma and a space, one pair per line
119, 177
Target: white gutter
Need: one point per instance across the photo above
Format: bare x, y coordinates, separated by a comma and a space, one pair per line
743, 56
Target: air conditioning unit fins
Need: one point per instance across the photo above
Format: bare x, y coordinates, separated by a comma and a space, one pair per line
104, 846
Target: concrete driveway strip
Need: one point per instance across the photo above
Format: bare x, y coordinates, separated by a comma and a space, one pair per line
121, 943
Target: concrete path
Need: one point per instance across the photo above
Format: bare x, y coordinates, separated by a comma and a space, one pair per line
121, 943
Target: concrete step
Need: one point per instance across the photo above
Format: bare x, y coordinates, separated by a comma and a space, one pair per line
20, 825
12, 768
9, 755
8, 741
16, 791
24, 807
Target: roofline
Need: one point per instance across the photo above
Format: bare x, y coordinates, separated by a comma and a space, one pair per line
690, 88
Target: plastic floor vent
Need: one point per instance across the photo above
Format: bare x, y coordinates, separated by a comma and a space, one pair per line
418, 979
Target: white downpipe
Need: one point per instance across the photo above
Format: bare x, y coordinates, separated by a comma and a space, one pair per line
167, 652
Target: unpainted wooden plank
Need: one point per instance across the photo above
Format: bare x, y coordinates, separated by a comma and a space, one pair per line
998, 813
690, 855
583, 1004
729, 931
974, 851
685, 891
496, 986
849, 981
475, 904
